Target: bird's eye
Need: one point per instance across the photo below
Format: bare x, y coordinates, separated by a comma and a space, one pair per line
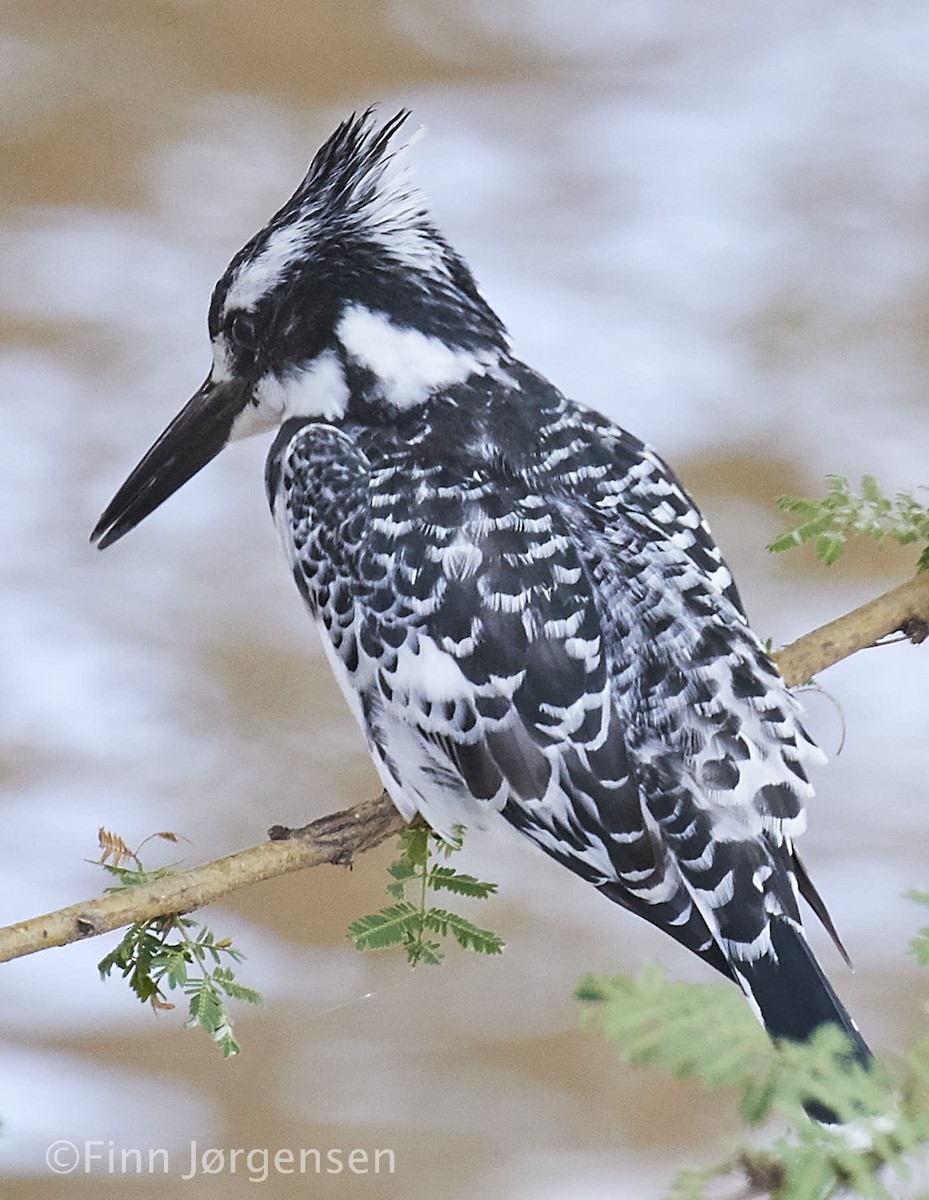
243, 331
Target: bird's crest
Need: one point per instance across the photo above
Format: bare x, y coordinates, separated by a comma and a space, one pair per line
357, 175
357, 187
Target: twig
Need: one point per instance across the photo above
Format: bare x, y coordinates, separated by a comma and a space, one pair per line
338, 837
905, 610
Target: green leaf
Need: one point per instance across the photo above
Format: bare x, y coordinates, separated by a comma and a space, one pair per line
130, 877
402, 871
377, 931
175, 967
809, 1177
841, 513
468, 936
178, 952
207, 1011
405, 922
447, 846
414, 844
691, 1184
919, 947
420, 951
238, 991
206, 1008
829, 547
224, 1039
704, 1031
447, 879
758, 1096
591, 989
655, 1022
708, 1032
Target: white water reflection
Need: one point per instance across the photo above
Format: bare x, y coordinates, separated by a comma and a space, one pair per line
63, 1096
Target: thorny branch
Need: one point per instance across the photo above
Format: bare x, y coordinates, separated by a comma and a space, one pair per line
337, 838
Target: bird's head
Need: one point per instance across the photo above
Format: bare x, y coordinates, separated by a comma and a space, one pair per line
348, 298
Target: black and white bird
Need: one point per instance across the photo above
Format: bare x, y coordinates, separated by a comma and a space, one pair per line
527, 612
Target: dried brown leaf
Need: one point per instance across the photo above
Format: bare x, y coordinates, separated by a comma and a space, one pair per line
114, 848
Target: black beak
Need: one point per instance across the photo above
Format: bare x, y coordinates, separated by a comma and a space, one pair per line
194, 438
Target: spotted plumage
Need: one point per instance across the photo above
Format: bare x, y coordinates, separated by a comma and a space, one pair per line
526, 611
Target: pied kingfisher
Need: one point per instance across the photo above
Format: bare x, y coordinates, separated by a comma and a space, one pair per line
526, 611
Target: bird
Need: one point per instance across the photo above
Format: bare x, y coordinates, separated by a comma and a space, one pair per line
526, 611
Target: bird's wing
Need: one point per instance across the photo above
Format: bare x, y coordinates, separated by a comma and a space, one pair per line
509, 676
714, 736
644, 736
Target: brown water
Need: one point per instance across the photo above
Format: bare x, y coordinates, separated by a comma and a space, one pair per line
709, 222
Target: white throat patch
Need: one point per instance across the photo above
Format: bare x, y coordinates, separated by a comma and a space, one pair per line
410, 365
318, 391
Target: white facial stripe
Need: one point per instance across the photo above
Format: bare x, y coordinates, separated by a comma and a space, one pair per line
409, 364
317, 391
260, 275
222, 360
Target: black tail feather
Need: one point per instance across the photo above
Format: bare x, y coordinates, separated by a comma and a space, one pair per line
796, 998
794, 995
818, 905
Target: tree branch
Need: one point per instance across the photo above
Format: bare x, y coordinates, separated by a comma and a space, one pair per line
904, 610
337, 838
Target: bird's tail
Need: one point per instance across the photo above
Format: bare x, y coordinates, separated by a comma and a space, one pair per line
795, 997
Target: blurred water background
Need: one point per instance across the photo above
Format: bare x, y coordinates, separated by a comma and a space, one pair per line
710, 221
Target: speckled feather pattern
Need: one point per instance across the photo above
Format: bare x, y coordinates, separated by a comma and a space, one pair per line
536, 621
